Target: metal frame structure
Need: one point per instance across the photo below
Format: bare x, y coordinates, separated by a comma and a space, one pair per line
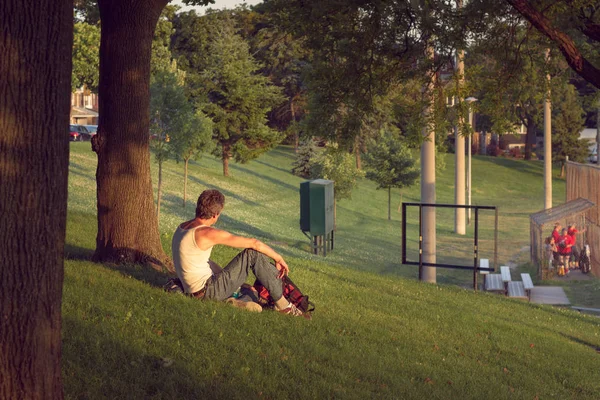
475, 267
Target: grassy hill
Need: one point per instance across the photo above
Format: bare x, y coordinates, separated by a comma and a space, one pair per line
376, 333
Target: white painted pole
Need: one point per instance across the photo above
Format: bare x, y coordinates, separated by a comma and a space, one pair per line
428, 219
469, 167
470, 101
548, 143
459, 148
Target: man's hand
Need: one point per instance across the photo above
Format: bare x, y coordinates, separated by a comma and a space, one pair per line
282, 267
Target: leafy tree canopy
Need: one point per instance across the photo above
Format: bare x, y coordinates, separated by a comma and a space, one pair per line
338, 166
86, 49
390, 163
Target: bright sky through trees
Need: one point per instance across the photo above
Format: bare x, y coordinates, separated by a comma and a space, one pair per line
219, 4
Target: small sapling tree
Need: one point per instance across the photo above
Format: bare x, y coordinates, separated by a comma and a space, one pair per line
340, 167
390, 164
192, 139
169, 109
305, 157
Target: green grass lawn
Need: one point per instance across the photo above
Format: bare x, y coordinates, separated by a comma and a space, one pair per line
376, 333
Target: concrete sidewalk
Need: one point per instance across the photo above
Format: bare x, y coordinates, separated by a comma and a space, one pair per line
549, 295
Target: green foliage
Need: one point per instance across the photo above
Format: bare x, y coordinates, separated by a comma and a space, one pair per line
237, 97
87, 11
567, 124
169, 113
193, 137
303, 164
86, 56
390, 163
338, 166
282, 57
161, 53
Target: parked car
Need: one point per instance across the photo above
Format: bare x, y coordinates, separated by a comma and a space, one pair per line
78, 133
93, 129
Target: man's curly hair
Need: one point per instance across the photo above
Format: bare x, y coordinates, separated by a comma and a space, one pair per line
210, 203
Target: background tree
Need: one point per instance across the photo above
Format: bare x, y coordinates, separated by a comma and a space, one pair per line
567, 124
237, 99
573, 27
169, 114
283, 58
36, 43
510, 78
86, 47
305, 158
390, 165
338, 166
193, 138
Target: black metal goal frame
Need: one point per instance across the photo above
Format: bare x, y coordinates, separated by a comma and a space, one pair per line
475, 267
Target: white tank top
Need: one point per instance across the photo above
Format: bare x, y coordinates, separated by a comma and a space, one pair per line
191, 263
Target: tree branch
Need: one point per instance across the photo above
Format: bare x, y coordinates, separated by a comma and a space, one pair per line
565, 43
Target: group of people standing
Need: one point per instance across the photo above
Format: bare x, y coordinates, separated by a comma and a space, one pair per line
562, 249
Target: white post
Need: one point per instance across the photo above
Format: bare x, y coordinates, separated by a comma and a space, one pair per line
428, 219
470, 101
459, 147
469, 168
548, 143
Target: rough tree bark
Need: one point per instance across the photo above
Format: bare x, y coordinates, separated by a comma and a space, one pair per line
159, 191
127, 223
564, 42
357, 152
225, 157
35, 86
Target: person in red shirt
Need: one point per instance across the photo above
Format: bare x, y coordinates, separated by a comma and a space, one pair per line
556, 237
565, 244
572, 231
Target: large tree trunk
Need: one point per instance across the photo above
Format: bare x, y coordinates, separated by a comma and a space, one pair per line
529, 139
357, 152
159, 191
127, 223
35, 85
225, 157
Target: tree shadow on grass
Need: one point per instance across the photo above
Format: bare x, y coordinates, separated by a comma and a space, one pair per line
528, 167
95, 364
74, 252
227, 193
287, 171
231, 224
282, 152
274, 181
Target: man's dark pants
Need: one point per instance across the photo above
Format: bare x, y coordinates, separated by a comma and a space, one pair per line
223, 284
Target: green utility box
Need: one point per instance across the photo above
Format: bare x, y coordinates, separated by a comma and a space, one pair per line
316, 212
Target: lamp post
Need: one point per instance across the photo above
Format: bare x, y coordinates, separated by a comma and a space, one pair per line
469, 100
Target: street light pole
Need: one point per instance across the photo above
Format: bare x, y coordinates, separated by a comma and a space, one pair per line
469, 100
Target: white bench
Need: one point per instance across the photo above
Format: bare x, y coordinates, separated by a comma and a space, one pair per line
493, 283
484, 263
527, 284
517, 291
505, 271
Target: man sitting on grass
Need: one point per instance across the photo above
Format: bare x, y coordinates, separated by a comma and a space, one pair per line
203, 279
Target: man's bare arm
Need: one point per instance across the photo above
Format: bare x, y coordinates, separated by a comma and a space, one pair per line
216, 236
